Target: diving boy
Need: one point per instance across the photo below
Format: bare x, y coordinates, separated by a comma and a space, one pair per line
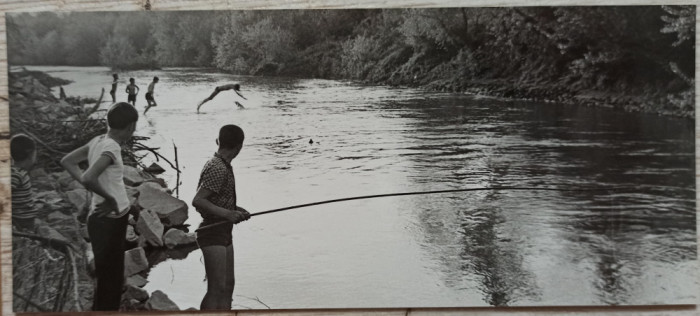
234, 86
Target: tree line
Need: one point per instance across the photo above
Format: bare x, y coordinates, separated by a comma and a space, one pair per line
635, 49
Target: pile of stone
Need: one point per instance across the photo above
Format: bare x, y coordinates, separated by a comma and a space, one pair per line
158, 224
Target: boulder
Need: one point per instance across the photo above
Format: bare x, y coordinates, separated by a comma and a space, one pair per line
132, 194
132, 176
160, 302
172, 211
131, 234
136, 280
175, 237
154, 168
135, 261
134, 292
150, 228
43, 229
58, 216
80, 198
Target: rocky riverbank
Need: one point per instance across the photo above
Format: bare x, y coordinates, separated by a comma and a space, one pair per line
52, 265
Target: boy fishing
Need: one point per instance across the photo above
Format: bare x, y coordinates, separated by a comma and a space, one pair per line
107, 219
24, 207
215, 200
132, 90
149, 95
235, 87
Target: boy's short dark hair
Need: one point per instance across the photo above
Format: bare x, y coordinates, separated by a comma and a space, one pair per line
236, 87
131, 79
21, 147
230, 136
155, 79
114, 75
121, 115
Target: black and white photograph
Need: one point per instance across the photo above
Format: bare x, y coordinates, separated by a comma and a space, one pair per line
315, 159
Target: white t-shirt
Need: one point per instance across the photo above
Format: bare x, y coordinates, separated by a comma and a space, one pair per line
112, 178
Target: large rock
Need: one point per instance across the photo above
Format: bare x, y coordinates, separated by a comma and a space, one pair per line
149, 227
80, 198
175, 237
134, 261
136, 280
132, 194
134, 292
172, 212
43, 229
132, 176
160, 302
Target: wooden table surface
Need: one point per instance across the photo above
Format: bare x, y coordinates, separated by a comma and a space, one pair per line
134, 5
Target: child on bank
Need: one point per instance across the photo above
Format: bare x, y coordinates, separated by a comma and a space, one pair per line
24, 207
132, 90
215, 200
107, 219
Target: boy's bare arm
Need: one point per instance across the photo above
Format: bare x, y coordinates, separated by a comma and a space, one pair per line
89, 177
240, 95
201, 202
71, 160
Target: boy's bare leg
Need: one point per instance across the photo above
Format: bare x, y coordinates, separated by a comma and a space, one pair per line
213, 94
215, 266
230, 278
114, 98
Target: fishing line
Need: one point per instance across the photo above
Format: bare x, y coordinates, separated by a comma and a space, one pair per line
402, 194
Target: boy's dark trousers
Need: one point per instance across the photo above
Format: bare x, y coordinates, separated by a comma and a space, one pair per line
107, 236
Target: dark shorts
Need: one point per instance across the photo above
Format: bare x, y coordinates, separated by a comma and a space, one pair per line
149, 96
132, 97
216, 236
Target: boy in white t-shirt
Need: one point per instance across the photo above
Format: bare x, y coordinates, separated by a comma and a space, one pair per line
107, 219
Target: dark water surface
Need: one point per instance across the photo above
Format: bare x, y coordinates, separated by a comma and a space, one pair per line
632, 243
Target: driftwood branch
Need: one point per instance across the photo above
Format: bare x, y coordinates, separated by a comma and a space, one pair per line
36, 139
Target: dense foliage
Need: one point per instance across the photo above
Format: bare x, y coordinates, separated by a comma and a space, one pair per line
638, 50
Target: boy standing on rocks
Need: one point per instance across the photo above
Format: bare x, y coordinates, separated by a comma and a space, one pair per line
107, 219
216, 201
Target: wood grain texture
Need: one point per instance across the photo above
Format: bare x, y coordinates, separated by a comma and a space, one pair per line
133, 5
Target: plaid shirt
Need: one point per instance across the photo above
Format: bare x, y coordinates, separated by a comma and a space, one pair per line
217, 176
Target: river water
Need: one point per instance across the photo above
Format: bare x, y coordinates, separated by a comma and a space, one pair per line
632, 243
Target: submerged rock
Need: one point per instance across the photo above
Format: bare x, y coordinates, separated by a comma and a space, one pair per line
159, 301
136, 293
136, 280
135, 261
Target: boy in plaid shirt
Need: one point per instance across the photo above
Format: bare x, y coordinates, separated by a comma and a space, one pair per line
215, 200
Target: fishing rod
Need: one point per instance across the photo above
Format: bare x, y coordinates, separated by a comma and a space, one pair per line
399, 194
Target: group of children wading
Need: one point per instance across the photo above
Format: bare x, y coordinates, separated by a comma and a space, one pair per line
108, 216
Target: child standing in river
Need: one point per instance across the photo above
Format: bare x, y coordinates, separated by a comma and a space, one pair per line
132, 90
113, 92
215, 200
149, 95
110, 205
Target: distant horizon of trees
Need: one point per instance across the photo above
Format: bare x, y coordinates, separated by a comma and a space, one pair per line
637, 49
